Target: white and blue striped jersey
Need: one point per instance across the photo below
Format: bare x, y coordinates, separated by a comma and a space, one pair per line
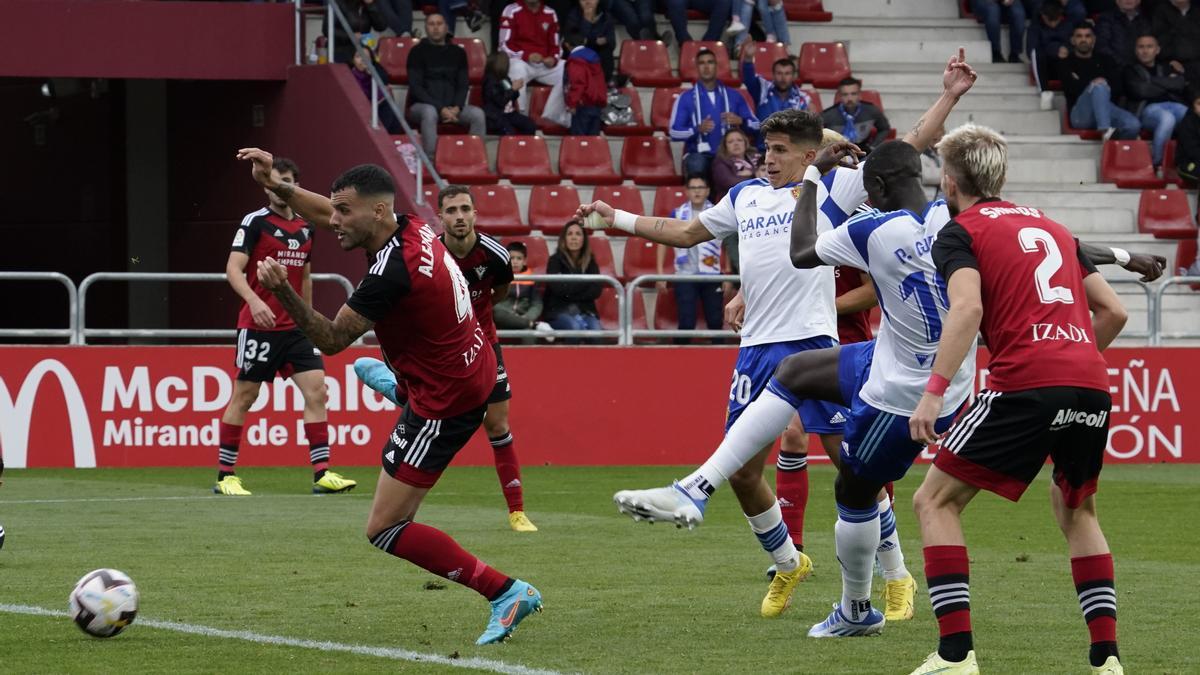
782, 302
896, 250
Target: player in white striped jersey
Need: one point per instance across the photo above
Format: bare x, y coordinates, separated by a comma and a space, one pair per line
787, 311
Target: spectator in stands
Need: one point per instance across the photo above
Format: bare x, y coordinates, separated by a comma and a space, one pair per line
399, 16
363, 17
774, 20
362, 75
862, 123
596, 27
451, 9
1155, 93
703, 115
991, 13
703, 258
572, 306
1089, 79
521, 309
718, 12
637, 16
437, 85
736, 161
1074, 10
500, 96
1187, 145
1177, 27
778, 93
1049, 42
1117, 31
529, 35
585, 90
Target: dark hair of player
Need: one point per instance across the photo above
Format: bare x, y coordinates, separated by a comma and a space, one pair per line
453, 191
285, 165
800, 126
366, 179
893, 160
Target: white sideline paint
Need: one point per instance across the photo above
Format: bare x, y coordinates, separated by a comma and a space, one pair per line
469, 663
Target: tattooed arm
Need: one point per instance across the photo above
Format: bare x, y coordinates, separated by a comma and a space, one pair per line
311, 206
669, 231
330, 337
957, 80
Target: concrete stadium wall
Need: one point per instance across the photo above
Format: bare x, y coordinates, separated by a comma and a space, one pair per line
159, 406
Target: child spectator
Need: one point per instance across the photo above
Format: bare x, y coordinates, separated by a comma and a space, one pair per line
500, 96
572, 306
521, 309
362, 75
597, 30
585, 91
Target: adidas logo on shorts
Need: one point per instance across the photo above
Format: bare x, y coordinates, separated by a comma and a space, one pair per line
838, 418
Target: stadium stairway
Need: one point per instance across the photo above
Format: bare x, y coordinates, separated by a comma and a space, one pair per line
1054, 171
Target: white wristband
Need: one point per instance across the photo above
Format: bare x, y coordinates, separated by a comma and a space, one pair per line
1121, 255
812, 174
624, 220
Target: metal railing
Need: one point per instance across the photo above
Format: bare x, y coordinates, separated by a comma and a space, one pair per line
1156, 332
622, 305
83, 332
334, 13
71, 332
632, 333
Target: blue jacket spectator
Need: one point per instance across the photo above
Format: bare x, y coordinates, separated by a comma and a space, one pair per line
701, 116
779, 93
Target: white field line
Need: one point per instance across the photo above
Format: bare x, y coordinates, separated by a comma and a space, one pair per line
223, 498
396, 654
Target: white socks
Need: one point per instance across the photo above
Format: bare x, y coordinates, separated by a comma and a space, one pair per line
891, 558
759, 425
857, 536
773, 535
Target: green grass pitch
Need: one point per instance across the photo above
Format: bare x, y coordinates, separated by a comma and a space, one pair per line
620, 596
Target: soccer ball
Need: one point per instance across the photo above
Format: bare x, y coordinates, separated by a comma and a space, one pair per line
104, 602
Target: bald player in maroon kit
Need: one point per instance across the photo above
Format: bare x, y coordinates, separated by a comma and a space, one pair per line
1022, 281
418, 302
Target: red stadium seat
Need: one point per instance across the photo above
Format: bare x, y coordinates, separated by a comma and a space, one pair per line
551, 206
1127, 163
537, 103
602, 254
824, 64
662, 104
1085, 134
871, 96
647, 160
607, 309
806, 10
668, 198
687, 62
524, 160
1166, 214
765, 56
647, 64
641, 257
666, 311
393, 56
496, 210
624, 197
586, 160
1171, 171
538, 252
476, 58
639, 128
815, 99
463, 159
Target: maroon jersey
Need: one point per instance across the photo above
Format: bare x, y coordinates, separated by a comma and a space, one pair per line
1036, 321
427, 331
485, 266
264, 234
856, 326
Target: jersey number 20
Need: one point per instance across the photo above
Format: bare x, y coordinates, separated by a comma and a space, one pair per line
1030, 237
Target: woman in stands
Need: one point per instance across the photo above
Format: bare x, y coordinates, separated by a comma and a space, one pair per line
572, 306
736, 161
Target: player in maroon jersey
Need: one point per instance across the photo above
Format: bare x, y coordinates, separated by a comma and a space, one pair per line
1022, 281
268, 341
484, 262
417, 300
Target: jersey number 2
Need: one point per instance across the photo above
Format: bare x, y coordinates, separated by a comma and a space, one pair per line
1030, 237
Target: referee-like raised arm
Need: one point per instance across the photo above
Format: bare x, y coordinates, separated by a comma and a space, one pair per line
311, 206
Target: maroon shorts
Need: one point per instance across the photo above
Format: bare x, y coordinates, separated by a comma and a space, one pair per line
419, 449
1002, 441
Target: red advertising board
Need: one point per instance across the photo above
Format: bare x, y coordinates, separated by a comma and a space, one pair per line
159, 406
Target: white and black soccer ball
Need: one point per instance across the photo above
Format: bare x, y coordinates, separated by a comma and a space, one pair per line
104, 602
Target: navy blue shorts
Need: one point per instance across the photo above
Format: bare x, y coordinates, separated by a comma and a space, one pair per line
754, 368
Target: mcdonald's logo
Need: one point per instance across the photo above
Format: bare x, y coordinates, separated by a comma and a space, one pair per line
17, 413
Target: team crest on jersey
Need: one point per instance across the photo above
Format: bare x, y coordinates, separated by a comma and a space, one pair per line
546, 25
796, 192
480, 271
